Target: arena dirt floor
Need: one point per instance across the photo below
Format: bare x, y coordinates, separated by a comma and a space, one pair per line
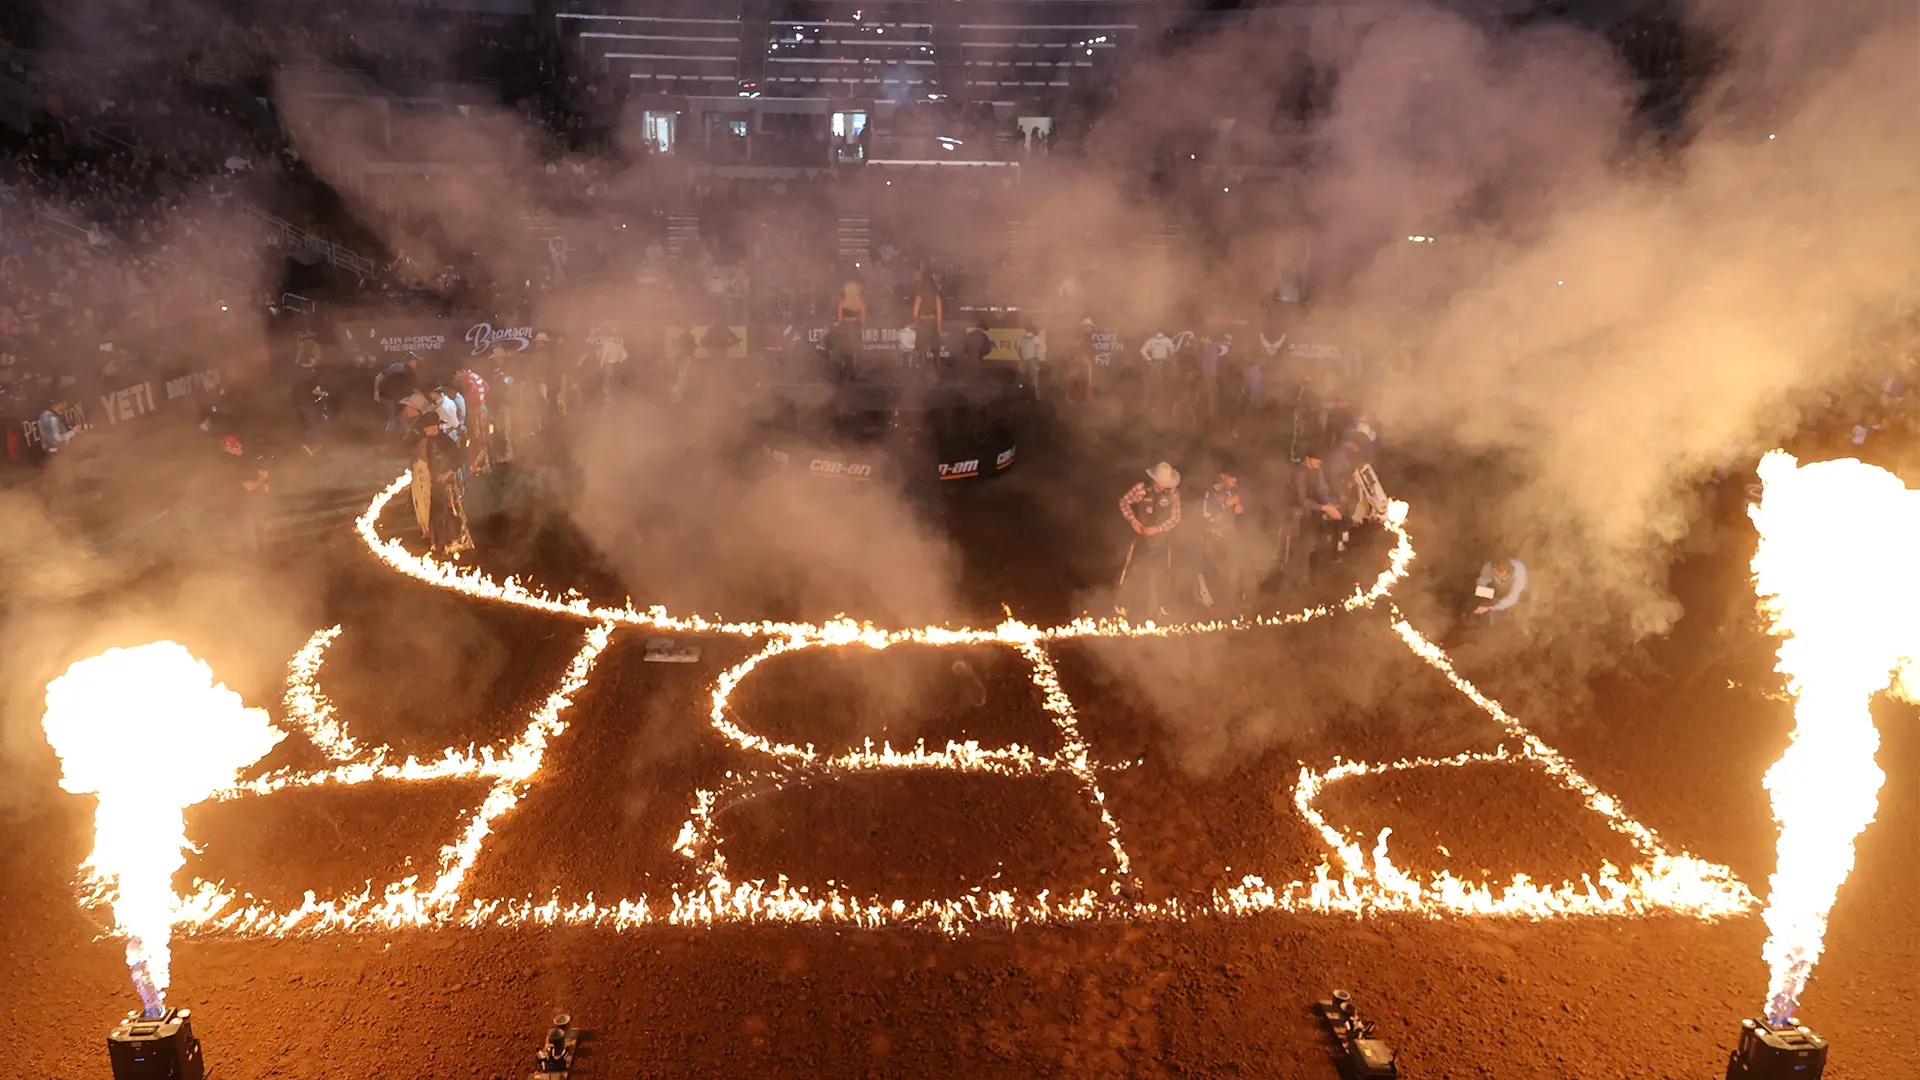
1201, 795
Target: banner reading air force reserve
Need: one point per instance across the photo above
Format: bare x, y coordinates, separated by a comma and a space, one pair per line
391, 339
460, 337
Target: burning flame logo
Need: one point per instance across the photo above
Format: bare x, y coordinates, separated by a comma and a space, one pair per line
1835, 538
1357, 879
149, 732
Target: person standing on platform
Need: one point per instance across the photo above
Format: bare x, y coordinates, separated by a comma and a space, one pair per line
907, 338
1033, 353
1158, 352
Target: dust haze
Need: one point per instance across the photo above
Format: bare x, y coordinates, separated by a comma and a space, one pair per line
1609, 311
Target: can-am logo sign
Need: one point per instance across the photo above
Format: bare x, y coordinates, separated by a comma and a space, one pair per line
482, 336
1005, 459
840, 468
960, 469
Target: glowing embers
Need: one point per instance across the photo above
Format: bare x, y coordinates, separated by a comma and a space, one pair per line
417, 899
1358, 877
1064, 766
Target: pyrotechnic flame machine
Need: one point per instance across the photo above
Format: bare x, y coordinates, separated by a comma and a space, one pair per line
555, 1060
1786, 1052
155, 1047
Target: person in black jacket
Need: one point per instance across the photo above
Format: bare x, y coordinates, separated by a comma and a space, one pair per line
447, 516
1314, 515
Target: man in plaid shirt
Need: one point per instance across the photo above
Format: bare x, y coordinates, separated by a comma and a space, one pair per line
1152, 509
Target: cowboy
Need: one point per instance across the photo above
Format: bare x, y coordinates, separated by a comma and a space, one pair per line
441, 458
1314, 513
1221, 555
414, 410
1500, 586
1152, 510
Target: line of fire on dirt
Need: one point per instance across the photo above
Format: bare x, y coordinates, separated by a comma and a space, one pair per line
1834, 666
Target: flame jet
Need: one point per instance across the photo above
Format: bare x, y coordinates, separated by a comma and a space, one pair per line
1836, 578
149, 732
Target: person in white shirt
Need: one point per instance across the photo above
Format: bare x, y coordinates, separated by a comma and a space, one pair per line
1156, 351
909, 338
1033, 353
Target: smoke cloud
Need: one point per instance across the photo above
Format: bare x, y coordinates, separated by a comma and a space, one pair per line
1609, 310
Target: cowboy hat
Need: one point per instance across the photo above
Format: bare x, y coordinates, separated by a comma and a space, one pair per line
1165, 475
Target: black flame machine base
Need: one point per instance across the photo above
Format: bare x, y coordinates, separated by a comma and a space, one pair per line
555, 1060
1362, 1057
155, 1048
1787, 1052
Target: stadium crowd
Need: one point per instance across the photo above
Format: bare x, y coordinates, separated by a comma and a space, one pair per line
121, 256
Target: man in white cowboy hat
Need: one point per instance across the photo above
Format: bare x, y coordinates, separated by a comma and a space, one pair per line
1152, 509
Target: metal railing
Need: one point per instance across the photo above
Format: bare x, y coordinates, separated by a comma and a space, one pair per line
290, 237
48, 221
